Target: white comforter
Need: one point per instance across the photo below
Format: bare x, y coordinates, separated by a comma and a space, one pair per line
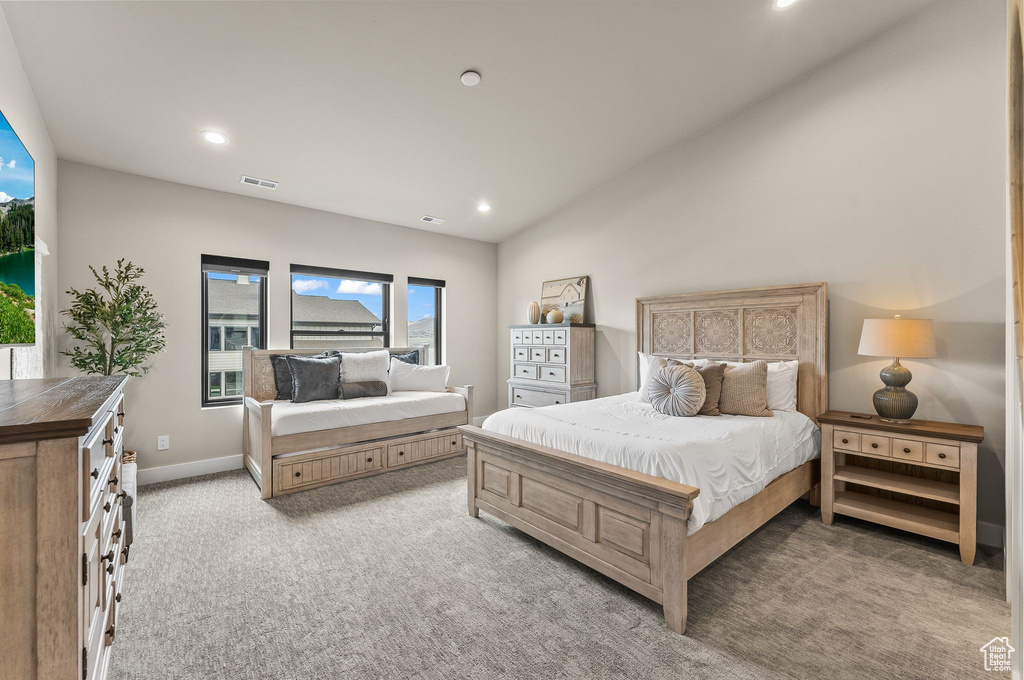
730, 458
289, 418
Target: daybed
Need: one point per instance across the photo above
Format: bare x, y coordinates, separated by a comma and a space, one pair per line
634, 527
290, 447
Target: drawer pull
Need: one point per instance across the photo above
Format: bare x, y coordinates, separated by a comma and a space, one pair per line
453, 444
116, 534
846, 441
109, 632
551, 372
298, 474
942, 455
95, 474
370, 459
106, 507
124, 553
906, 450
110, 568
113, 481
117, 428
519, 396
401, 453
558, 402
108, 556
118, 597
122, 495
874, 446
109, 442
120, 414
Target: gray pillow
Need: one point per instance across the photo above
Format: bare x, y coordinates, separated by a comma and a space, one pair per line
314, 378
677, 391
358, 390
282, 375
412, 357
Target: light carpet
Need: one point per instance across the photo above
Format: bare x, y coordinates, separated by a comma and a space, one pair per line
389, 577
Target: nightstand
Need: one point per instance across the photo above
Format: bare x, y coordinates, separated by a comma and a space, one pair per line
920, 476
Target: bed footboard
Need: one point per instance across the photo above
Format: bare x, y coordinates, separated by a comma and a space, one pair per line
627, 525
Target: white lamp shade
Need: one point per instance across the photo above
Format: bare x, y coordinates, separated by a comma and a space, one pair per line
897, 338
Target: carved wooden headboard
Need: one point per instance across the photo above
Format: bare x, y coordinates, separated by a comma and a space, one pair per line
258, 369
779, 323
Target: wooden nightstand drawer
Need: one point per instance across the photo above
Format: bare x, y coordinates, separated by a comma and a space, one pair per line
875, 445
905, 449
942, 454
848, 441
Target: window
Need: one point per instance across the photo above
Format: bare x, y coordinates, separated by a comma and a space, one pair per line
337, 308
423, 300
234, 316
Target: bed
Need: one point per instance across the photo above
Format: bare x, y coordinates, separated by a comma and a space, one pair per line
552, 472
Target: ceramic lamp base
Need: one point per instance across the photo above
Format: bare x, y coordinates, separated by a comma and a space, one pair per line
894, 403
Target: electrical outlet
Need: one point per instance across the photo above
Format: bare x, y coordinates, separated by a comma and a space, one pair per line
163, 442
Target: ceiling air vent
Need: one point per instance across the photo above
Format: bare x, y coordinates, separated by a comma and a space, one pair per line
432, 220
257, 182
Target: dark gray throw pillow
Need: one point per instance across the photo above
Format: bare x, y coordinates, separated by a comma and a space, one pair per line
314, 378
358, 390
282, 375
412, 357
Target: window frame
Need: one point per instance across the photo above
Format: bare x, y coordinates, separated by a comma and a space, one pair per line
226, 265
385, 305
438, 286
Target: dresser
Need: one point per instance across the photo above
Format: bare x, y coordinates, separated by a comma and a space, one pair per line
62, 554
551, 364
920, 476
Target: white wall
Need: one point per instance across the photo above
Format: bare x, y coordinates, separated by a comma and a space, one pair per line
18, 105
881, 173
164, 227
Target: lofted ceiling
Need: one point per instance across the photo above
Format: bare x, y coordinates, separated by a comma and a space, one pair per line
357, 107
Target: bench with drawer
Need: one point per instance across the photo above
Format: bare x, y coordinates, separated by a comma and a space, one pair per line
551, 365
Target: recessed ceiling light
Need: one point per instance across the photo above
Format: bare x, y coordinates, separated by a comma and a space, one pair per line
470, 78
782, 4
484, 207
214, 137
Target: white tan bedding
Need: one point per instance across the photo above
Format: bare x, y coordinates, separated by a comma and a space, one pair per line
291, 418
730, 458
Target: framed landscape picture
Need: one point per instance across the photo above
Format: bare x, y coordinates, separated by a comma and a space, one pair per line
17, 240
567, 296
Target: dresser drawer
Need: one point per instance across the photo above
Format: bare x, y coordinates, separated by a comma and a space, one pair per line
527, 371
560, 336
556, 355
906, 449
874, 444
532, 338
423, 449
521, 353
517, 337
942, 454
97, 462
538, 354
549, 337
847, 441
553, 373
536, 398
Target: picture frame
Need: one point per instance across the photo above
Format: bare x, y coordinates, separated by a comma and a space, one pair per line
568, 296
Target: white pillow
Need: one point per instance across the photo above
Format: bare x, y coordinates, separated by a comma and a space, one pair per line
365, 367
415, 378
650, 364
781, 384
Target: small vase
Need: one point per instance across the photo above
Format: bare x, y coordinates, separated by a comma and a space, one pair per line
555, 316
534, 312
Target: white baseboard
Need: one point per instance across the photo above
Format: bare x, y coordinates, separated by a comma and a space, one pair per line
990, 534
166, 473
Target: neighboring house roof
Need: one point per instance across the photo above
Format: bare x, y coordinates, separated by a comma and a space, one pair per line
322, 309
229, 298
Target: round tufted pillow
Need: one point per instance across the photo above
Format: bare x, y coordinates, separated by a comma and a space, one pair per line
677, 391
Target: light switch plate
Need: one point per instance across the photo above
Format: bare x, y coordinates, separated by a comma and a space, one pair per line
163, 442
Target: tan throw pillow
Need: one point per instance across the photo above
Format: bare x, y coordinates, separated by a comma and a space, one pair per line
745, 390
712, 374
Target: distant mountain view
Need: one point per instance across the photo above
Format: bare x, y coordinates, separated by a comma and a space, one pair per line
16, 202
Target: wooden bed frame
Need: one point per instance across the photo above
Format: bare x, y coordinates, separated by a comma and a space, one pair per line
288, 463
630, 526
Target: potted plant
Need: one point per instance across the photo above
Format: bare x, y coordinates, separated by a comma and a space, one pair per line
117, 328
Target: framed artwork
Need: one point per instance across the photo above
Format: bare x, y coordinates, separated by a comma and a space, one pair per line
567, 296
17, 240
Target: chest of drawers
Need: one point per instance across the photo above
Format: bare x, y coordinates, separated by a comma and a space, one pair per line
62, 547
920, 476
551, 364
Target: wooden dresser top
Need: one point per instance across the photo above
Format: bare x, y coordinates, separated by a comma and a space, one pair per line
924, 428
52, 408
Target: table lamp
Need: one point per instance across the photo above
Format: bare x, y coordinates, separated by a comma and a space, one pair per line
896, 338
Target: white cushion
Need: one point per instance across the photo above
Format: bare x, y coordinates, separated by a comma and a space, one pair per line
782, 377
365, 367
415, 378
